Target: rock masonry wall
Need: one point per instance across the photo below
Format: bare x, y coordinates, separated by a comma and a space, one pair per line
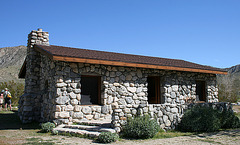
53, 91
33, 60
124, 93
68, 94
30, 102
176, 88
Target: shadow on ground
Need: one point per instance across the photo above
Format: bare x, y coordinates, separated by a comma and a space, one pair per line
232, 133
10, 120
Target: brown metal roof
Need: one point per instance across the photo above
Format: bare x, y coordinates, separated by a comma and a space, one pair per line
67, 52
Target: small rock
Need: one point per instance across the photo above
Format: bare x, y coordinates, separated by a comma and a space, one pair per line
86, 110
72, 95
62, 100
78, 115
129, 100
132, 89
129, 77
60, 85
104, 109
89, 117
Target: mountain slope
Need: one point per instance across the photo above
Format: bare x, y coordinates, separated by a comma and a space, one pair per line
234, 69
11, 60
229, 85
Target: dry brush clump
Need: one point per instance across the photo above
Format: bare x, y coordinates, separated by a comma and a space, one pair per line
207, 119
229, 87
141, 127
107, 137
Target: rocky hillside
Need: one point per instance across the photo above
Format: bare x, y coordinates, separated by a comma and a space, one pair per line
11, 60
233, 74
234, 70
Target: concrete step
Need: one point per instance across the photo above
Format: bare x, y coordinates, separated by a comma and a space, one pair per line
102, 123
77, 131
91, 128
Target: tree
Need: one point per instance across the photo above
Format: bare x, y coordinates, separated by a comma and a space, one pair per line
16, 90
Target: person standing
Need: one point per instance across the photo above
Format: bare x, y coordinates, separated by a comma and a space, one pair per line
7, 98
1, 99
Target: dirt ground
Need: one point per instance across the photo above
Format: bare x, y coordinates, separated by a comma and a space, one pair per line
230, 137
236, 108
13, 132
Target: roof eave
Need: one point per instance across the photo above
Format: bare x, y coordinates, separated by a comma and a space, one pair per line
127, 64
43, 51
22, 71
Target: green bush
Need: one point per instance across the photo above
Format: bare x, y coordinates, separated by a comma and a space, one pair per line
207, 119
47, 127
107, 137
229, 119
141, 127
200, 119
54, 132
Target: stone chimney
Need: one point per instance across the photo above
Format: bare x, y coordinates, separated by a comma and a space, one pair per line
30, 102
33, 60
38, 37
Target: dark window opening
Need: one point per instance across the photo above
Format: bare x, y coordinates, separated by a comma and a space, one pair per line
200, 91
154, 94
90, 90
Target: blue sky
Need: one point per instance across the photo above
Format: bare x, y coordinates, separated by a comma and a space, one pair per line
201, 31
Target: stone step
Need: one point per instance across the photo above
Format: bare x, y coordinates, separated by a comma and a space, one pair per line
77, 131
102, 123
91, 128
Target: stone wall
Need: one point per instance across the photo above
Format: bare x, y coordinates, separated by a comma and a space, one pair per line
53, 91
176, 87
47, 89
29, 107
30, 103
68, 94
124, 93
33, 60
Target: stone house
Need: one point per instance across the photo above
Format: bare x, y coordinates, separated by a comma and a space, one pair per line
68, 85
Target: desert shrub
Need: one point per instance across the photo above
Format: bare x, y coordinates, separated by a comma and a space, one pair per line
229, 90
54, 132
107, 137
140, 127
229, 119
200, 119
47, 127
